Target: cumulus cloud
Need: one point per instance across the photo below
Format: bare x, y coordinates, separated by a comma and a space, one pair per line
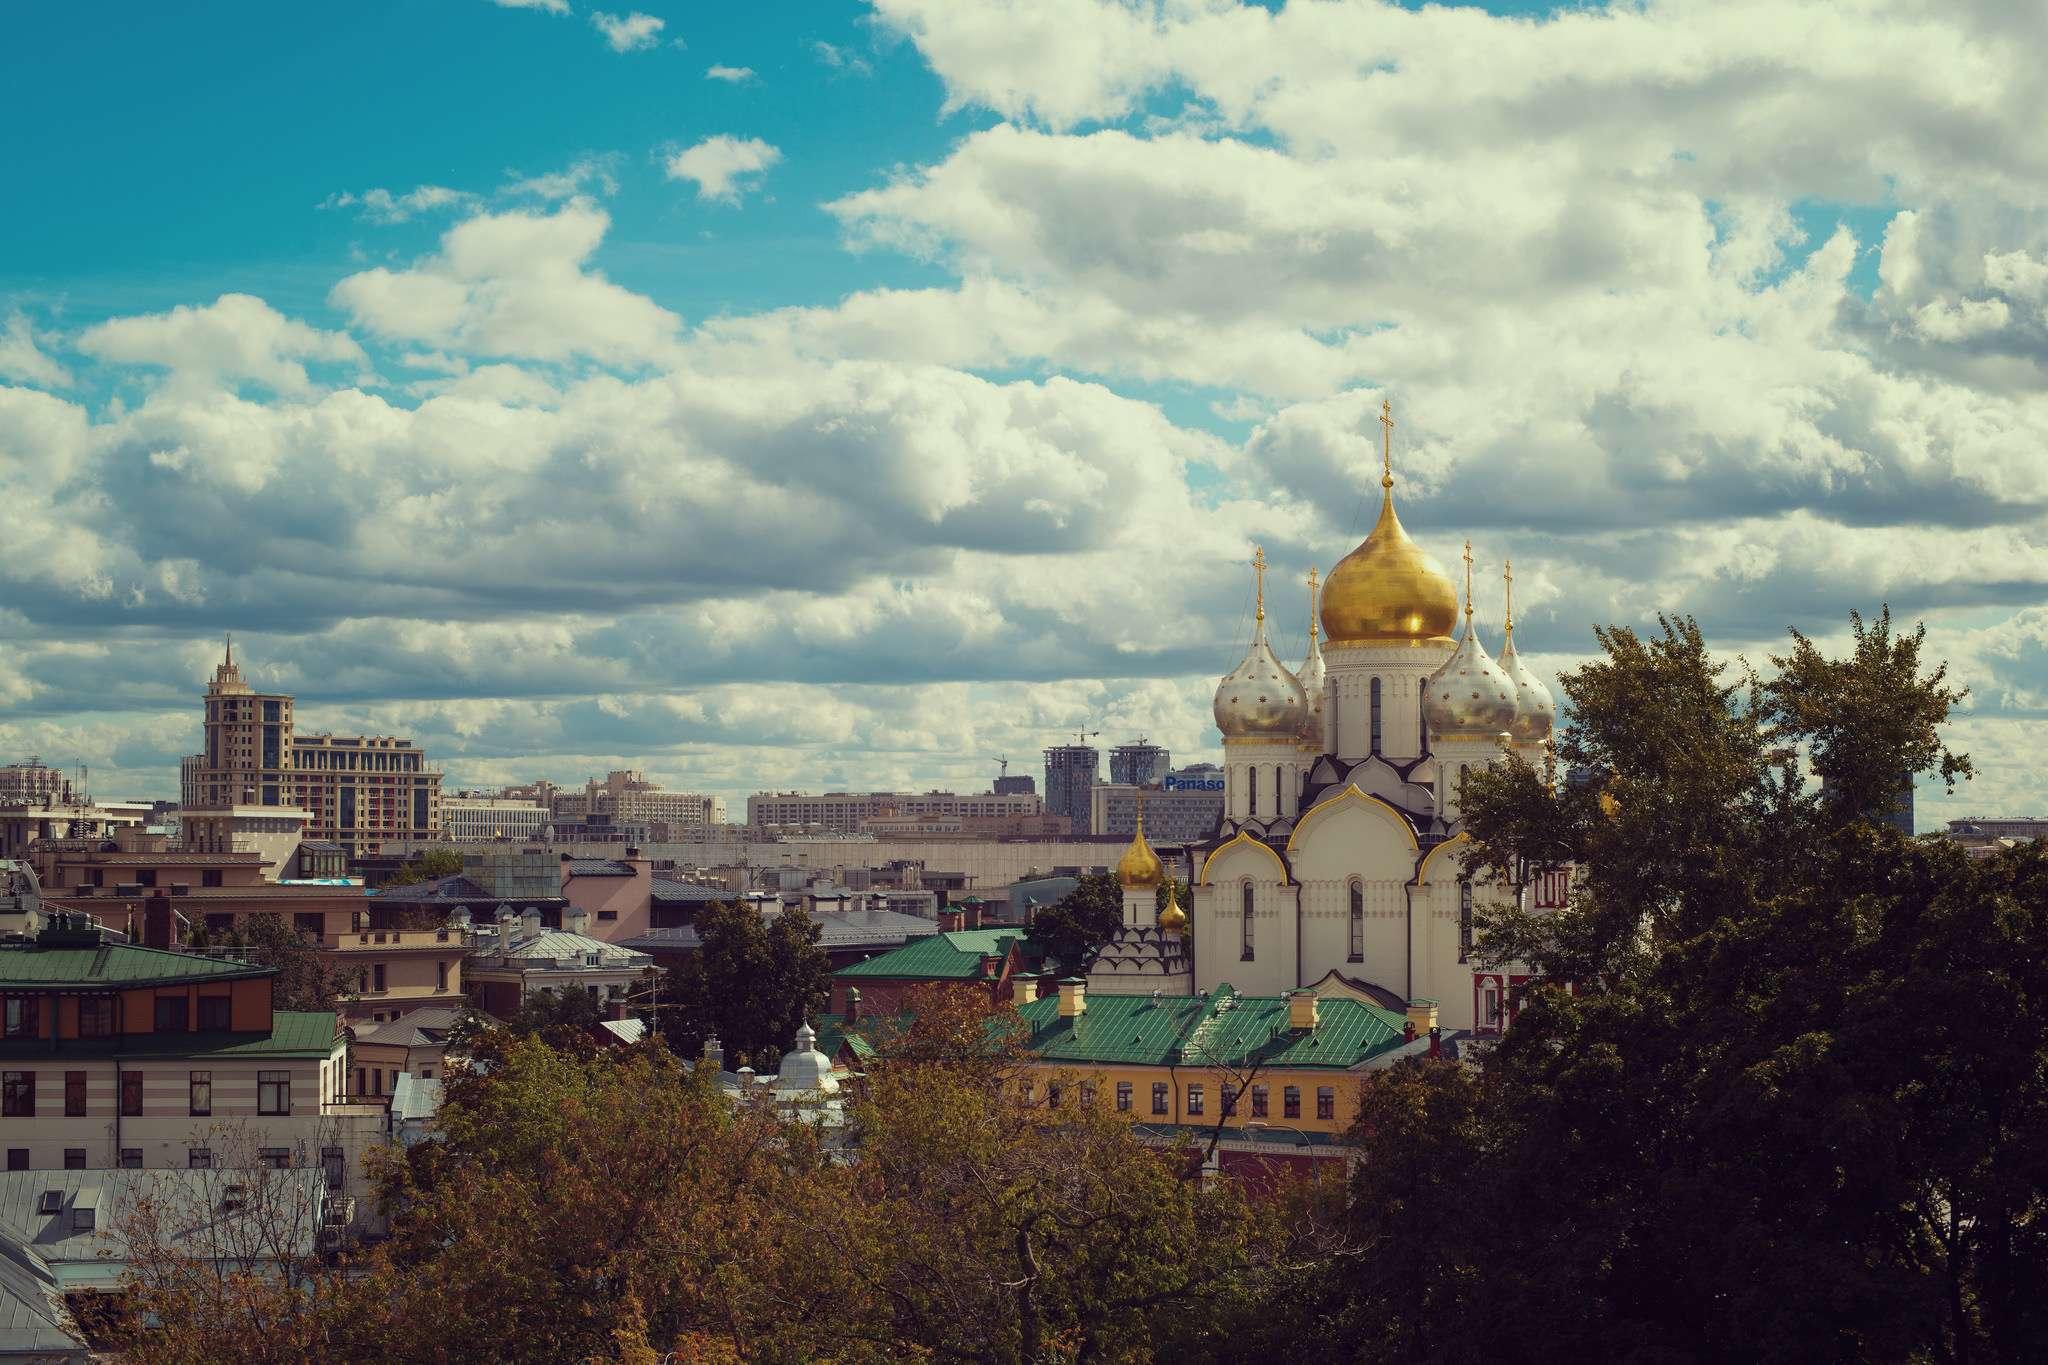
513, 284
841, 59
382, 206
731, 75
23, 361
724, 168
635, 32
551, 6
236, 337
581, 176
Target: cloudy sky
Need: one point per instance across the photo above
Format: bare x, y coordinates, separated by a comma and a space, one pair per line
834, 394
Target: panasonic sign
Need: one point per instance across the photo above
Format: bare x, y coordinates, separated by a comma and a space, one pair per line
1193, 784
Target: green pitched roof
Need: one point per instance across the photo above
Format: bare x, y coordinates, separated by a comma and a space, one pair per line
954, 956
1224, 1029
293, 1033
60, 965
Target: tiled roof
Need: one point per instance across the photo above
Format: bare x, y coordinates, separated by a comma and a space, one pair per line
1223, 1029
688, 893
293, 1033
557, 946
597, 867
951, 956
418, 1028
54, 966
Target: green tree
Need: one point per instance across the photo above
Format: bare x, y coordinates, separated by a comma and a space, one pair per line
304, 979
752, 982
1074, 928
1789, 1110
432, 864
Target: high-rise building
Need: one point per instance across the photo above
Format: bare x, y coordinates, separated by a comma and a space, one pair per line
1186, 806
1139, 764
34, 783
360, 791
1070, 770
1023, 784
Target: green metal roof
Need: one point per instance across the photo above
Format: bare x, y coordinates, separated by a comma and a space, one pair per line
1225, 1029
954, 956
58, 966
293, 1033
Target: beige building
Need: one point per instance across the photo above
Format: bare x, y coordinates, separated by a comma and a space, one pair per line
358, 791
481, 819
854, 812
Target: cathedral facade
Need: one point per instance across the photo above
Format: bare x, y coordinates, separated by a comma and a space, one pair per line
1338, 853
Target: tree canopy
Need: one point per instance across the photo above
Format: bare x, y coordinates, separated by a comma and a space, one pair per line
429, 865
1073, 929
751, 983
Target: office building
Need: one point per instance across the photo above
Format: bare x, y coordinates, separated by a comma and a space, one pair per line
1139, 764
470, 819
358, 791
852, 812
1070, 770
1186, 806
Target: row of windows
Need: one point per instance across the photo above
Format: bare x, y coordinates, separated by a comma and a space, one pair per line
1357, 953
18, 1094
333, 1159
1290, 1099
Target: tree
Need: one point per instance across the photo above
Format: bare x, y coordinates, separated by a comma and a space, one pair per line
1789, 1107
751, 983
304, 980
1074, 928
431, 864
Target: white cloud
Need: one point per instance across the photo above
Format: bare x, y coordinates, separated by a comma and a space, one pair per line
21, 360
513, 284
551, 6
731, 75
841, 59
579, 177
636, 32
723, 167
382, 206
236, 337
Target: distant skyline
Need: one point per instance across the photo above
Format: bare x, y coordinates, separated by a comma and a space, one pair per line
848, 395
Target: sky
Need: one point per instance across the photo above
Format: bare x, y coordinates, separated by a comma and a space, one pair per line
839, 395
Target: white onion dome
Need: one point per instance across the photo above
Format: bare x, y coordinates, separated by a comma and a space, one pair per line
1469, 697
1535, 712
1260, 699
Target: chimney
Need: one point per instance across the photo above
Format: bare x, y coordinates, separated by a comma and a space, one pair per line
1436, 1042
1408, 1032
714, 1053
508, 933
1023, 989
853, 1005
1421, 1016
1301, 1010
576, 919
950, 920
970, 916
1073, 997
529, 923
159, 927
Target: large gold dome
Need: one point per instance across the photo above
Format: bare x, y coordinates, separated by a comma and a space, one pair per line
1388, 589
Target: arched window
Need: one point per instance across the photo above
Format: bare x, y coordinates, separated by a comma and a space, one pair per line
1253, 782
1375, 716
1246, 953
1464, 920
1357, 922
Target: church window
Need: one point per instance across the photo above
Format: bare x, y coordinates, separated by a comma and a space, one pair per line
1195, 1099
1254, 771
1245, 955
1464, 920
1375, 715
1326, 1101
1290, 1102
1357, 922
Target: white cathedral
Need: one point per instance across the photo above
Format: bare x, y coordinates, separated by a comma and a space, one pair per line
1337, 862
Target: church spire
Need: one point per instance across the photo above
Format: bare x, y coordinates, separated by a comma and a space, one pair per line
1259, 573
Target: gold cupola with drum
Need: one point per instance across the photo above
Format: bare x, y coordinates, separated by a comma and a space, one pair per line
1388, 589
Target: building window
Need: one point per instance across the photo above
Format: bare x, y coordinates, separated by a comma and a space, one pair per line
1290, 1102
440, 976
1357, 922
131, 1094
213, 1013
146, 877
170, 1014
604, 915
1230, 1100
96, 1016
1123, 1097
74, 1094
74, 1158
377, 978
1159, 1097
1087, 1094
276, 1158
202, 1094
1375, 716
1195, 1099
1464, 920
1245, 951
1258, 1101
209, 876
1326, 1102
131, 1158
1253, 777
21, 1016
335, 1163
18, 1094
199, 1159
273, 1092
1052, 1094
17, 1158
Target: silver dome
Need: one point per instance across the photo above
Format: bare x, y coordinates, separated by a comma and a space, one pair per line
1260, 699
1535, 712
1469, 697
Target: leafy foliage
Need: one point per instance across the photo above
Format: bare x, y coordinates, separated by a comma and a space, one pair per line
1074, 928
753, 981
430, 865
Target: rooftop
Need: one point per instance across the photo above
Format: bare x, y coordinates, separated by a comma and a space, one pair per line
956, 955
426, 1027
293, 1033
1221, 1029
73, 959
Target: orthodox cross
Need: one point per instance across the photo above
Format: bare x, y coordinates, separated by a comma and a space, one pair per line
1312, 603
1386, 444
1468, 578
1259, 570
1507, 571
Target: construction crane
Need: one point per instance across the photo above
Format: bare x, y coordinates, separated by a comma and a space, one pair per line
1083, 736
1006, 764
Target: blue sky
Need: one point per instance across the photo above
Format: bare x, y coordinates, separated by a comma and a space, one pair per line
392, 338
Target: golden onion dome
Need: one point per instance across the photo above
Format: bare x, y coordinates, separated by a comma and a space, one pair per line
1173, 919
1260, 699
1139, 868
1469, 697
1388, 589
1535, 711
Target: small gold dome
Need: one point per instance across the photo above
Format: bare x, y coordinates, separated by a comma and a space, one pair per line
1388, 589
1173, 919
1139, 868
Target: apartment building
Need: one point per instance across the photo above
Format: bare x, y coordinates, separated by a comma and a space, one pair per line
358, 791
114, 1055
854, 812
470, 819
